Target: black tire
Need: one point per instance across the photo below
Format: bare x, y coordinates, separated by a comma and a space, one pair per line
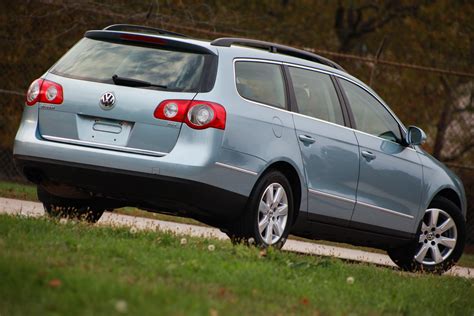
57, 207
246, 228
404, 257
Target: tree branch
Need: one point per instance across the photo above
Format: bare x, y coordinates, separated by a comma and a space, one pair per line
468, 147
350, 23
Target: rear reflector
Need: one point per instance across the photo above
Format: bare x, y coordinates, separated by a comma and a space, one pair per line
196, 114
45, 91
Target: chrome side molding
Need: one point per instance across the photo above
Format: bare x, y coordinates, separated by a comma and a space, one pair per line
104, 146
378, 208
332, 196
386, 210
220, 164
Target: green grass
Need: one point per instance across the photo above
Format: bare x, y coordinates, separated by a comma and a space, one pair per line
18, 191
467, 260
28, 192
132, 211
77, 269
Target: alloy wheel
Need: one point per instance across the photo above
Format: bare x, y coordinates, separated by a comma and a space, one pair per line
438, 237
273, 213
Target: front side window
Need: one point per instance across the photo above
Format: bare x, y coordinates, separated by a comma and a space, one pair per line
316, 95
370, 116
261, 82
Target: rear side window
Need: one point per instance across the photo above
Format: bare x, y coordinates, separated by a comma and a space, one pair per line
261, 82
316, 95
96, 60
370, 116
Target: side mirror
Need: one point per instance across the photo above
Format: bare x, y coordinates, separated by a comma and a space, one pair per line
415, 136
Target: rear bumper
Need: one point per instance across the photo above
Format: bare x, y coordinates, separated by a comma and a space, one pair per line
190, 178
162, 193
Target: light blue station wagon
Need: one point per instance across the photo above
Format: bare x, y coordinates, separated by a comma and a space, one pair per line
258, 139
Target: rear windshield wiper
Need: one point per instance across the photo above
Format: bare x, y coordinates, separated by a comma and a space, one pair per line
130, 82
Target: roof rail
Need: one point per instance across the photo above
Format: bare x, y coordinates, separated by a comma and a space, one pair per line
131, 27
275, 48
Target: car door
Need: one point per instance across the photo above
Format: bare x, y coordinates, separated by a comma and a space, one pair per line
328, 149
390, 179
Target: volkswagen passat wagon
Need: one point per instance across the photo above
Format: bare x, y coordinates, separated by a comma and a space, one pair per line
258, 139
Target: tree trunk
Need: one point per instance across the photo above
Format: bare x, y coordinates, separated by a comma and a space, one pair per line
444, 121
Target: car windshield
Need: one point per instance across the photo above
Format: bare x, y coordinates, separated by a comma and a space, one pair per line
96, 60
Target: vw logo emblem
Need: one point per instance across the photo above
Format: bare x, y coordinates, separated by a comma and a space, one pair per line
107, 101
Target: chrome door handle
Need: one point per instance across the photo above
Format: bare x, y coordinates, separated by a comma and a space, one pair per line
368, 155
306, 139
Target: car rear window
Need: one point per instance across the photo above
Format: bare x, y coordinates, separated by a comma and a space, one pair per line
96, 60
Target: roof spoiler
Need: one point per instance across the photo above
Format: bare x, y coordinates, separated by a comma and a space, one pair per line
141, 29
149, 40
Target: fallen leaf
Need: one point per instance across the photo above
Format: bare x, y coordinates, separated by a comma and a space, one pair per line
54, 283
222, 291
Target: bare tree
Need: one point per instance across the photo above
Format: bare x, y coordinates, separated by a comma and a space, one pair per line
353, 22
455, 128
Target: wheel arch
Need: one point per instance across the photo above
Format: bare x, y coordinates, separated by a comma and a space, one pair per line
291, 173
451, 195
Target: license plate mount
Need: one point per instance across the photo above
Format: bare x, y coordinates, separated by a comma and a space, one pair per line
105, 131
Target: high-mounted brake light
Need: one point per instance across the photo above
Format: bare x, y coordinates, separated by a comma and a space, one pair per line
45, 91
196, 114
141, 38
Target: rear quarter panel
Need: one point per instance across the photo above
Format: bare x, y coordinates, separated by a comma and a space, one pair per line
256, 135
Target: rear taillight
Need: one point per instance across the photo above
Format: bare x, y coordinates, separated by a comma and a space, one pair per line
202, 114
196, 114
172, 110
32, 95
45, 91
